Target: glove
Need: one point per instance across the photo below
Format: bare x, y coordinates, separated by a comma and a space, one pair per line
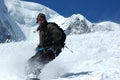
40, 49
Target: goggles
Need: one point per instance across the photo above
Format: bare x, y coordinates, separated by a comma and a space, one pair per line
40, 19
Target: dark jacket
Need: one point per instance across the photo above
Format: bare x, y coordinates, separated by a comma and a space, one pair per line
49, 35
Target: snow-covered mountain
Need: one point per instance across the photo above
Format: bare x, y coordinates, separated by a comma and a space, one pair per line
105, 26
24, 15
8, 28
26, 12
95, 55
77, 24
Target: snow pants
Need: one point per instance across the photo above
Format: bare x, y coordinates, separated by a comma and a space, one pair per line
39, 60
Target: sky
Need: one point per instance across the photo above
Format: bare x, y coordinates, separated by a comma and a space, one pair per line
93, 10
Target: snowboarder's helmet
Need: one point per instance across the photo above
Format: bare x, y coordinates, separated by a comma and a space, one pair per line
41, 15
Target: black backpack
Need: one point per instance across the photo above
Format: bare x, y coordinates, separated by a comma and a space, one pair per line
61, 42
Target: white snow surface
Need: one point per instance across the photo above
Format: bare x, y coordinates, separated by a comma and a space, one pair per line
95, 56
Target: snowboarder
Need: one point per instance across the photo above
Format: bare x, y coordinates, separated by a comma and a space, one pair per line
52, 40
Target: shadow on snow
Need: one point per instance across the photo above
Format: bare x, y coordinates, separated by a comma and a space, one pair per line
76, 74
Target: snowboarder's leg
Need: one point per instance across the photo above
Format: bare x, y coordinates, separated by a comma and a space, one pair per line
34, 66
37, 62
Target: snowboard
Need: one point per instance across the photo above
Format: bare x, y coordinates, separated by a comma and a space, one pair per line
33, 79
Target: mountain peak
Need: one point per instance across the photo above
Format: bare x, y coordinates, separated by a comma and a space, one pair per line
77, 16
23, 15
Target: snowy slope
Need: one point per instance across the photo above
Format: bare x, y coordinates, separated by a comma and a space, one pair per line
95, 57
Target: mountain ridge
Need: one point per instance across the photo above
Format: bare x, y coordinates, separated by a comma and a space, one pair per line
95, 55
24, 16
